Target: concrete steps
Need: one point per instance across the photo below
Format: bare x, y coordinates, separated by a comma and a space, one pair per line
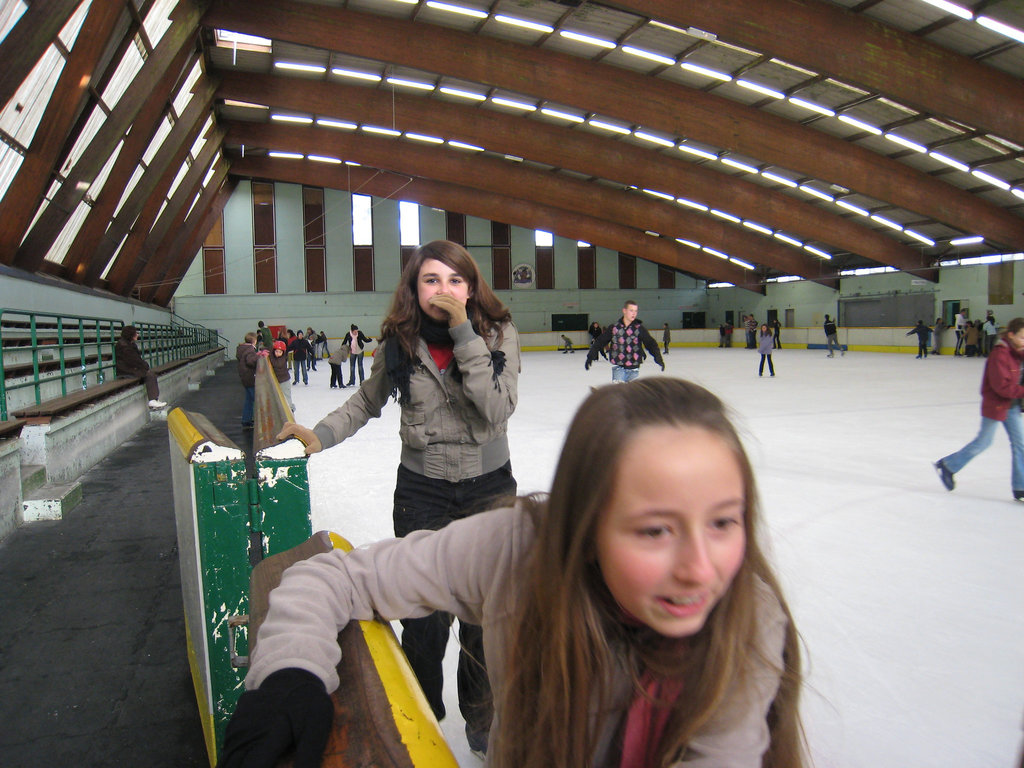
51, 501
32, 476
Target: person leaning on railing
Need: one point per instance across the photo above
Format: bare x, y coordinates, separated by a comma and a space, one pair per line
129, 364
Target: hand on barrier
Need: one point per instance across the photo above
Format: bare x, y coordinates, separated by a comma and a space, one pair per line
291, 709
586, 365
455, 309
305, 434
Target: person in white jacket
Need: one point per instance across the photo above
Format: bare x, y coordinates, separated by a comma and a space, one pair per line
630, 617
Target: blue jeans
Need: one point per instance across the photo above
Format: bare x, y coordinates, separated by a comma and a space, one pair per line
355, 361
1014, 429
248, 405
624, 374
300, 365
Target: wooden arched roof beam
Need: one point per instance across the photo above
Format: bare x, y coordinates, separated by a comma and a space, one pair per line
138, 213
153, 259
621, 94
576, 150
497, 207
80, 263
553, 191
190, 237
859, 50
181, 34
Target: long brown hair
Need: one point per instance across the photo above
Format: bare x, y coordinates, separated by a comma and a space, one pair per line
484, 309
568, 636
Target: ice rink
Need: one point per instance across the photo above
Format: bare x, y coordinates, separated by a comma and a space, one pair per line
909, 599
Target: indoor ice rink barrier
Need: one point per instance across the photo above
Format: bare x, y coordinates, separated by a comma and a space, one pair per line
228, 522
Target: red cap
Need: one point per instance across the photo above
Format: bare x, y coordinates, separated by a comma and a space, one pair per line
280, 345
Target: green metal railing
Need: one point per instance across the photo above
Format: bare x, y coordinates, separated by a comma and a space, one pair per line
40, 349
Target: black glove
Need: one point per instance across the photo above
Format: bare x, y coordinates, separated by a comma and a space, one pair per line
291, 709
586, 365
662, 366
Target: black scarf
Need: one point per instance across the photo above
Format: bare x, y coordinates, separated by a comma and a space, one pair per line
399, 365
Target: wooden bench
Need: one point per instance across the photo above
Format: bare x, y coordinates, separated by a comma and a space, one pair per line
11, 427
46, 410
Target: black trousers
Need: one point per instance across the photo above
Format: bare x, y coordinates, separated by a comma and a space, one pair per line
429, 503
337, 377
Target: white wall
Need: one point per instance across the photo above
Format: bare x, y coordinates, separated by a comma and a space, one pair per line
240, 309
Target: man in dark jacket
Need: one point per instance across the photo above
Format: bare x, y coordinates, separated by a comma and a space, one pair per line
924, 334
128, 363
627, 337
301, 351
1001, 394
247, 356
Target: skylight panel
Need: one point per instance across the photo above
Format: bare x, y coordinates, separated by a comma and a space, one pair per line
158, 20
69, 34
10, 162
524, 23
9, 15
92, 127
184, 95
184, 169
32, 96
59, 250
129, 187
228, 39
123, 76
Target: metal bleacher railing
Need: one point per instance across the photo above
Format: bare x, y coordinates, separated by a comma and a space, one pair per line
47, 355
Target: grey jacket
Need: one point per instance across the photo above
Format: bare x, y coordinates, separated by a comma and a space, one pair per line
470, 568
452, 428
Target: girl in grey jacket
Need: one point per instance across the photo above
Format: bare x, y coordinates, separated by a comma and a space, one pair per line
630, 617
449, 354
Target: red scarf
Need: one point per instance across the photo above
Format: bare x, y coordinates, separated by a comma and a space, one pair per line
646, 720
442, 354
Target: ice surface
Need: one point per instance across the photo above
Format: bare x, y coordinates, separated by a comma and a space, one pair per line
909, 599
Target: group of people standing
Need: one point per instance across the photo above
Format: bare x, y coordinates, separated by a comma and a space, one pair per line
627, 618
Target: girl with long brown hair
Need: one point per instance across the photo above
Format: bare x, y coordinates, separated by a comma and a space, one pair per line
630, 617
449, 354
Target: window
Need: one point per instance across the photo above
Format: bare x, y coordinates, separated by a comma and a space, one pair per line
666, 278
213, 259
501, 256
315, 243
586, 265
627, 271
362, 220
264, 237
455, 226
